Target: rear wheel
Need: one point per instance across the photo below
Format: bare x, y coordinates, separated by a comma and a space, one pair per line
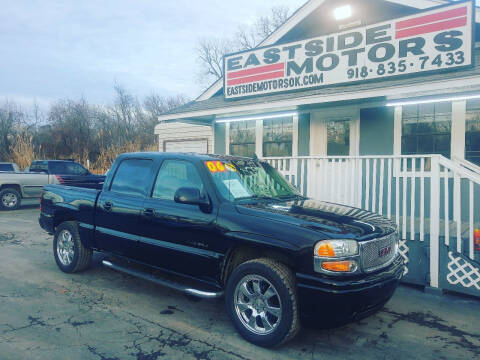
70, 254
262, 303
10, 199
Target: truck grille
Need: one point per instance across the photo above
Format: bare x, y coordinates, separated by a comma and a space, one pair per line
379, 252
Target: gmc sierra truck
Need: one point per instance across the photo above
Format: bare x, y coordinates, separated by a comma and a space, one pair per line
16, 185
212, 225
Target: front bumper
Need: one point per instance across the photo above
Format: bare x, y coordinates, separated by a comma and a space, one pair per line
331, 301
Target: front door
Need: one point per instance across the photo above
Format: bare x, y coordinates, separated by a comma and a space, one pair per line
179, 237
119, 206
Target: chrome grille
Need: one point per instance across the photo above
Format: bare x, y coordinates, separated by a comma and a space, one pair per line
371, 252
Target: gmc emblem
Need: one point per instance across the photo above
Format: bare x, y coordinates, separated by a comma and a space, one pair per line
385, 251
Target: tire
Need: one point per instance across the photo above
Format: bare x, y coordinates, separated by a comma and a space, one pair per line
70, 254
267, 273
10, 199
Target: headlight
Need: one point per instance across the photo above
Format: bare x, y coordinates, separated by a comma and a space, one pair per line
336, 248
336, 256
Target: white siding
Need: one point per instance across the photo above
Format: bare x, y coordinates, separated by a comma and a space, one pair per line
198, 146
183, 131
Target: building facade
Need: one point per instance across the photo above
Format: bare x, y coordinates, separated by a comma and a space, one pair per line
371, 103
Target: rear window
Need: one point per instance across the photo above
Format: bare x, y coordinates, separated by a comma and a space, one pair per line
6, 167
133, 177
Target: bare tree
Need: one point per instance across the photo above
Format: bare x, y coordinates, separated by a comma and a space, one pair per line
210, 55
210, 52
79, 130
250, 37
11, 118
156, 104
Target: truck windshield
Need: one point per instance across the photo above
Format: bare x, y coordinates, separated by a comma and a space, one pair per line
249, 179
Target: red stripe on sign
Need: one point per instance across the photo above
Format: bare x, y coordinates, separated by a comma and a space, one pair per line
249, 79
258, 70
425, 29
431, 18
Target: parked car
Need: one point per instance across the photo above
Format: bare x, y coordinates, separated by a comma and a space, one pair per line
213, 225
15, 186
8, 166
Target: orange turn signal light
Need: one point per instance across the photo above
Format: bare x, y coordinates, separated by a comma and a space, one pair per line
326, 250
340, 266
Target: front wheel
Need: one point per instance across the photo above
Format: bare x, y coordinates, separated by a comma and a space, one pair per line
262, 303
70, 254
10, 199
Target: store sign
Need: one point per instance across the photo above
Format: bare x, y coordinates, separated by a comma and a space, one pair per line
435, 40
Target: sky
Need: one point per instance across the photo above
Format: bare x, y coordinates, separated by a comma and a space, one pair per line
54, 49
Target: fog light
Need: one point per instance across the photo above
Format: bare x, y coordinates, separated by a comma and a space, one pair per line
340, 266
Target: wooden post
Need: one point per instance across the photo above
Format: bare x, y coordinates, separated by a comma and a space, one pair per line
434, 221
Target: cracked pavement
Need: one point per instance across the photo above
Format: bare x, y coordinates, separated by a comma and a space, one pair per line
102, 314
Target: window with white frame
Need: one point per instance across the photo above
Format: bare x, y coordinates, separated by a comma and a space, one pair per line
242, 138
472, 131
338, 137
277, 137
426, 129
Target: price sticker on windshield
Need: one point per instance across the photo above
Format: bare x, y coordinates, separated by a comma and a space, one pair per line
215, 166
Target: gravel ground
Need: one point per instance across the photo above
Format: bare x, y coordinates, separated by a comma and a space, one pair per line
102, 314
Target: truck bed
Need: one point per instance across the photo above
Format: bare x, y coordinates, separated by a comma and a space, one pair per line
63, 203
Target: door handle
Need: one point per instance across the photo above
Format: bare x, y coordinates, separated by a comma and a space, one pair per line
149, 212
107, 205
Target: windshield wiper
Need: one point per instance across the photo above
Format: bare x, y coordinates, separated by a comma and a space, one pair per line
291, 196
255, 196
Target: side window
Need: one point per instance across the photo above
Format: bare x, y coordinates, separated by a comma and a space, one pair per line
132, 177
39, 166
173, 175
76, 169
67, 168
59, 168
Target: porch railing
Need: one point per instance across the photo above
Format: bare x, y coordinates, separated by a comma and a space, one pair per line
434, 201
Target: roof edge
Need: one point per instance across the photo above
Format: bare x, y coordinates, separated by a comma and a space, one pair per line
322, 99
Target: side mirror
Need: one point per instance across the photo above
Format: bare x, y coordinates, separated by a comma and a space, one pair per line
192, 196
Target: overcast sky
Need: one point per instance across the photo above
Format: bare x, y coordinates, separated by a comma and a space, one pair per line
67, 49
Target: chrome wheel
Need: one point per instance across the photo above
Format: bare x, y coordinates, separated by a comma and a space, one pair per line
65, 247
9, 200
257, 304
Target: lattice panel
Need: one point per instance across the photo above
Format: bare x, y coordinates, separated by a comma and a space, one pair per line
462, 272
403, 250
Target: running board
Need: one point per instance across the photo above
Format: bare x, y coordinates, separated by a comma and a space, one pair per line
164, 282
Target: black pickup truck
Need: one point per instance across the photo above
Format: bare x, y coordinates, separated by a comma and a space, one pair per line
213, 225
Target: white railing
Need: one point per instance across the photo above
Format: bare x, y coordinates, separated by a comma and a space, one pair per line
426, 195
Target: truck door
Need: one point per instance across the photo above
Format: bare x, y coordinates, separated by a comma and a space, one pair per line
179, 237
36, 178
119, 206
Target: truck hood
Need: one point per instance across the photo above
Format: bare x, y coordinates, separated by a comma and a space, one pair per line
333, 220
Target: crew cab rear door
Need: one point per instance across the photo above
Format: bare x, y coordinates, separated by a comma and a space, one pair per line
119, 206
179, 237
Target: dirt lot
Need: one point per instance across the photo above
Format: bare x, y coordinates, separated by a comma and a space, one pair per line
101, 314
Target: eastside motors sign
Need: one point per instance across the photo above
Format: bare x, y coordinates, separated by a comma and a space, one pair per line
435, 40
